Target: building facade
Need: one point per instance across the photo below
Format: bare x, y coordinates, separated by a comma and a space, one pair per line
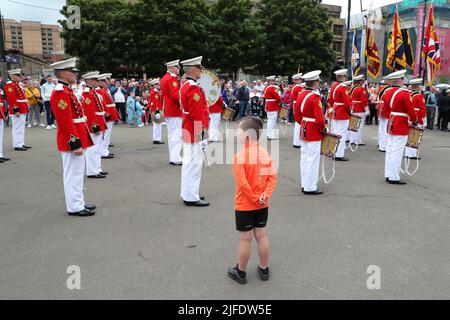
338, 28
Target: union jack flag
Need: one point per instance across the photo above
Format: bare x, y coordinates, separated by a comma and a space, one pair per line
430, 49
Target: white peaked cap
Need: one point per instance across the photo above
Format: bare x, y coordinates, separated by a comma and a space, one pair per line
154, 81
90, 75
193, 62
297, 76
104, 76
357, 78
15, 72
341, 72
69, 64
175, 63
348, 83
312, 76
270, 78
416, 81
397, 75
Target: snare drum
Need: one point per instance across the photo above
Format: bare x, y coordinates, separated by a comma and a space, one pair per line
330, 143
354, 123
228, 114
414, 137
284, 113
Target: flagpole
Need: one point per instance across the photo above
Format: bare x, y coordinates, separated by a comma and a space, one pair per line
422, 43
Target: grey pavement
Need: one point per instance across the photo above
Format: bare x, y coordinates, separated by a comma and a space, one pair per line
144, 244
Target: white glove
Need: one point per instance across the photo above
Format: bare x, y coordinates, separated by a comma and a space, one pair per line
204, 144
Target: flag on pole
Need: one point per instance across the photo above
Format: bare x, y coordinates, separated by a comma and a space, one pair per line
371, 53
409, 55
430, 49
356, 65
396, 51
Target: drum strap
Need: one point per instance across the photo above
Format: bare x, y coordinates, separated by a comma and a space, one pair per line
391, 103
304, 101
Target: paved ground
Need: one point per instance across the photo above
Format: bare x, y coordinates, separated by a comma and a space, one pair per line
144, 244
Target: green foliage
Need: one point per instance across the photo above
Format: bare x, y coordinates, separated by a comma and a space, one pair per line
274, 36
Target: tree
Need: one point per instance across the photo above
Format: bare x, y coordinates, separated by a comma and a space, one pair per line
297, 33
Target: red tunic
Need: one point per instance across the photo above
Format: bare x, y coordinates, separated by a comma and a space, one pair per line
72, 132
93, 109
108, 105
217, 107
296, 89
359, 98
170, 88
402, 111
273, 99
418, 101
195, 111
383, 108
339, 102
16, 98
2, 106
155, 101
308, 113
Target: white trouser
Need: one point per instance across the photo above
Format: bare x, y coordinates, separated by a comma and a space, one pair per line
395, 149
174, 138
410, 152
94, 156
214, 126
382, 133
340, 127
296, 140
107, 139
73, 175
309, 164
272, 117
357, 137
156, 131
191, 172
2, 124
18, 130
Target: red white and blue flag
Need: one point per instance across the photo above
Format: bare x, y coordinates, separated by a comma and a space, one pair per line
430, 49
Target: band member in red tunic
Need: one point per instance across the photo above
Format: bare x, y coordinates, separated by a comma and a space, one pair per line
360, 107
72, 136
272, 99
2, 124
418, 102
215, 112
155, 102
383, 113
296, 89
195, 126
18, 109
402, 112
170, 91
309, 114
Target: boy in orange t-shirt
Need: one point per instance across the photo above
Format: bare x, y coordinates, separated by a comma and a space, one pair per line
255, 179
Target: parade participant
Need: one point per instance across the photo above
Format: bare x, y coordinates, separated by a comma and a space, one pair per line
418, 102
93, 109
339, 111
296, 89
360, 107
402, 111
255, 180
2, 124
111, 114
170, 87
309, 114
72, 136
195, 125
18, 109
384, 95
155, 103
272, 100
215, 112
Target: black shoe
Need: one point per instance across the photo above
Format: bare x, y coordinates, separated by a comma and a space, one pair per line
158, 142
396, 182
1, 160
111, 146
26, 147
415, 158
104, 173
90, 207
361, 145
341, 159
313, 193
387, 179
176, 163
202, 197
108, 157
234, 274
199, 203
4, 159
445, 130
97, 176
112, 154
382, 150
21, 149
263, 274
296, 147
82, 213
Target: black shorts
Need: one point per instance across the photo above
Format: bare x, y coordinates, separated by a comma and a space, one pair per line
247, 220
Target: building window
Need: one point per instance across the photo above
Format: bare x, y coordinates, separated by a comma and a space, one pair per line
338, 30
337, 46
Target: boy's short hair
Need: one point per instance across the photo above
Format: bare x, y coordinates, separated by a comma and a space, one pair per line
254, 124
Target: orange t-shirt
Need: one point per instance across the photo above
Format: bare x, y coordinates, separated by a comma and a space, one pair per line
254, 174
